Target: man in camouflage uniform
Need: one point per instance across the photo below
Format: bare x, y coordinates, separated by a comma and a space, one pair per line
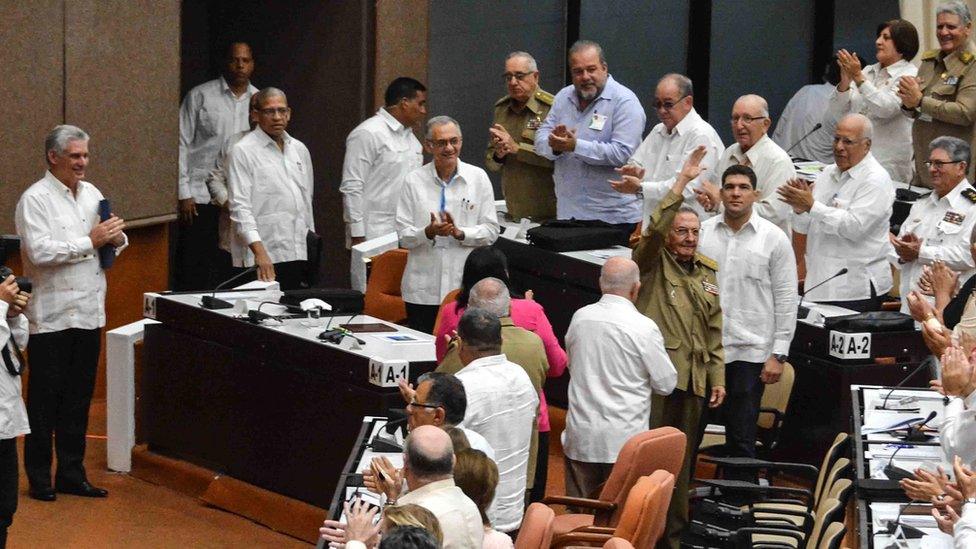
679, 291
942, 98
526, 177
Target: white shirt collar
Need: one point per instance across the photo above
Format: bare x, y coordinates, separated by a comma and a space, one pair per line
751, 222
487, 361
390, 120
267, 139
688, 122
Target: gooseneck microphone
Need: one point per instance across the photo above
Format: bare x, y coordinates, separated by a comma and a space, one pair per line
212, 302
805, 291
806, 135
884, 403
915, 432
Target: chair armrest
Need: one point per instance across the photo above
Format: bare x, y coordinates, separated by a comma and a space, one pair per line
742, 463
749, 531
742, 486
579, 538
580, 502
593, 530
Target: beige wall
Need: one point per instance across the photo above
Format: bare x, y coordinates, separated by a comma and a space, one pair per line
401, 43
108, 66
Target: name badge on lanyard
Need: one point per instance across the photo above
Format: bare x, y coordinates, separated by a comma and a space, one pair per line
597, 122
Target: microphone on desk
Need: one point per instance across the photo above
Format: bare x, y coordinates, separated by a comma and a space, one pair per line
915, 432
806, 135
805, 291
884, 403
397, 419
896, 473
910, 532
212, 302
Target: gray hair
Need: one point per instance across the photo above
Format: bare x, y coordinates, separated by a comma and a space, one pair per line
763, 105
491, 294
57, 140
957, 149
268, 93
688, 210
959, 9
440, 121
618, 276
683, 83
533, 67
867, 127
581, 45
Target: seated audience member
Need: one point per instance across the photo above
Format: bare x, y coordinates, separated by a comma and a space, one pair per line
754, 148
845, 216
938, 226
617, 359
956, 514
795, 128
428, 465
502, 407
409, 537
873, 92
440, 400
458, 439
446, 209
359, 532
669, 144
411, 515
594, 126
952, 316
477, 477
525, 313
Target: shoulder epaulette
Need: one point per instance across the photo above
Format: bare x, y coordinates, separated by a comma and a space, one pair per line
708, 262
931, 54
502, 101
970, 195
966, 57
544, 97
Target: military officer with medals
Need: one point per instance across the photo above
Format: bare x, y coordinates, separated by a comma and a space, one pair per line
679, 292
939, 225
942, 98
526, 177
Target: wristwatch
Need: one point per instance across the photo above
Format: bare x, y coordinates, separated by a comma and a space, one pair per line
781, 358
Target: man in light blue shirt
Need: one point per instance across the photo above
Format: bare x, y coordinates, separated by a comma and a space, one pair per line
594, 126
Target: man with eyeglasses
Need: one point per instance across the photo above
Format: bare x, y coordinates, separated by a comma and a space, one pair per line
679, 291
595, 125
440, 400
526, 177
210, 114
446, 209
659, 158
939, 226
753, 148
845, 217
270, 196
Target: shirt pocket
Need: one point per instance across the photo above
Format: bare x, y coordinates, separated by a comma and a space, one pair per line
943, 91
207, 122
265, 180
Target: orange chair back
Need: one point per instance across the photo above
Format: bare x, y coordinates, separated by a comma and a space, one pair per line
617, 543
536, 530
644, 453
645, 511
382, 298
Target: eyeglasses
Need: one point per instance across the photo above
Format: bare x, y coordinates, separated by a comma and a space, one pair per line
441, 143
414, 404
280, 111
516, 75
847, 141
685, 231
939, 164
746, 119
668, 105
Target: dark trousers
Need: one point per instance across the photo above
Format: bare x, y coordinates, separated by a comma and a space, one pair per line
62, 378
740, 411
290, 275
8, 486
199, 263
538, 491
682, 410
422, 317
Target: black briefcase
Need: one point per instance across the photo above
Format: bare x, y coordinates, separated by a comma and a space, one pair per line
874, 321
572, 235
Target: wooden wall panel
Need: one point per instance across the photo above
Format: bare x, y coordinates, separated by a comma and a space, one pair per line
122, 66
30, 53
401, 43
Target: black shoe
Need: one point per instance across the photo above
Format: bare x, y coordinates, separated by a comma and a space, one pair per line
45, 493
83, 489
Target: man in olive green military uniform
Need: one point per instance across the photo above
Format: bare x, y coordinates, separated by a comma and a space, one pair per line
526, 177
679, 291
942, 99
518, 345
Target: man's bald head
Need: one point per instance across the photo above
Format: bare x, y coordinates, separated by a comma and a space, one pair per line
750, 120
620, 276
429, 454
852, 140
491, 294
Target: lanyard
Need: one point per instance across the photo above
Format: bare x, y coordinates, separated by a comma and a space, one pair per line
444, 191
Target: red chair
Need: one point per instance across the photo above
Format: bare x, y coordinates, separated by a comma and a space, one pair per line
536, 529
382, 298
